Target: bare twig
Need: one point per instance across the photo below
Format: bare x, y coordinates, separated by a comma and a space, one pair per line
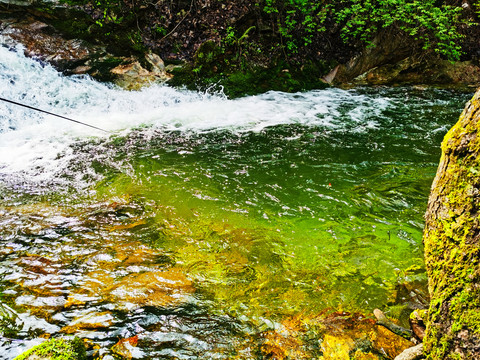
178, 24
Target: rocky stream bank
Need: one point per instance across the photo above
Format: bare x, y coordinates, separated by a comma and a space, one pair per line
198, 56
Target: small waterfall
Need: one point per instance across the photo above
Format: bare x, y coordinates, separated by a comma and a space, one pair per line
32, 140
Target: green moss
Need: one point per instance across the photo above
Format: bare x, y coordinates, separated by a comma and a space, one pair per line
56, 349
418, 314
214, 68
452, 251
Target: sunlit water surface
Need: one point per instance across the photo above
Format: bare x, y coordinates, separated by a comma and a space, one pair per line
199, 226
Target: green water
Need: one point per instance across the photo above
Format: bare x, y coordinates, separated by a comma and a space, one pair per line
246, 228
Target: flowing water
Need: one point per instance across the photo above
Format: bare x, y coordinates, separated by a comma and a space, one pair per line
202, 227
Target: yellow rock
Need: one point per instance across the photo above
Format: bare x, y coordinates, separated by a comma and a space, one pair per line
336, 347
124, 347
128, 226
389, 344
359, 355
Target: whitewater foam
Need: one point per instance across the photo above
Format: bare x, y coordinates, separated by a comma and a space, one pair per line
38, 145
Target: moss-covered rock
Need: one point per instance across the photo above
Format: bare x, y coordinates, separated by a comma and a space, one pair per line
452, 243
56, 349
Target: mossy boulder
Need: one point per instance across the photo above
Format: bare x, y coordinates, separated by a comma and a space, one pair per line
452, 243
56, 349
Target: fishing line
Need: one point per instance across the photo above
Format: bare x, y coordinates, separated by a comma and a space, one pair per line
49, 113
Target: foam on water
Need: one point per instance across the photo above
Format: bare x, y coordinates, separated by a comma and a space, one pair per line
30, 142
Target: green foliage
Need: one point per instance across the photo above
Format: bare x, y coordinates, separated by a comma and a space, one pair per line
305, 16
111, 11
239, 43
433, 26
230, 37
160, 30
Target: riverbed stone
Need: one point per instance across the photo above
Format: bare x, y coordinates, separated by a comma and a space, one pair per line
145, 287
336, 347
153, 288
125, 347
413, 353
90, 321
387, 343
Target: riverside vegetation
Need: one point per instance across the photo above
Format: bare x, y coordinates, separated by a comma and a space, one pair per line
290, 45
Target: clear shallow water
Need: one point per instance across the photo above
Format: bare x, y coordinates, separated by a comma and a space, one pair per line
201, 226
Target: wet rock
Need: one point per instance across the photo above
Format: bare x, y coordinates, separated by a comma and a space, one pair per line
133, 76
42, 42
341, 336
158, 66
417, 323
413, 353
336, 347
82, 69
360, 355
56, 349
390, 325
430, 71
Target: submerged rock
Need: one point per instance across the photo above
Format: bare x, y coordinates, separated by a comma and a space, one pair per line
341, 336
336, 347
125, 347
153, 288
141, 287
90, 321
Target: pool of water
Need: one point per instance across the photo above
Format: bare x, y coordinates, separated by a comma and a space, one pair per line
203, 227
